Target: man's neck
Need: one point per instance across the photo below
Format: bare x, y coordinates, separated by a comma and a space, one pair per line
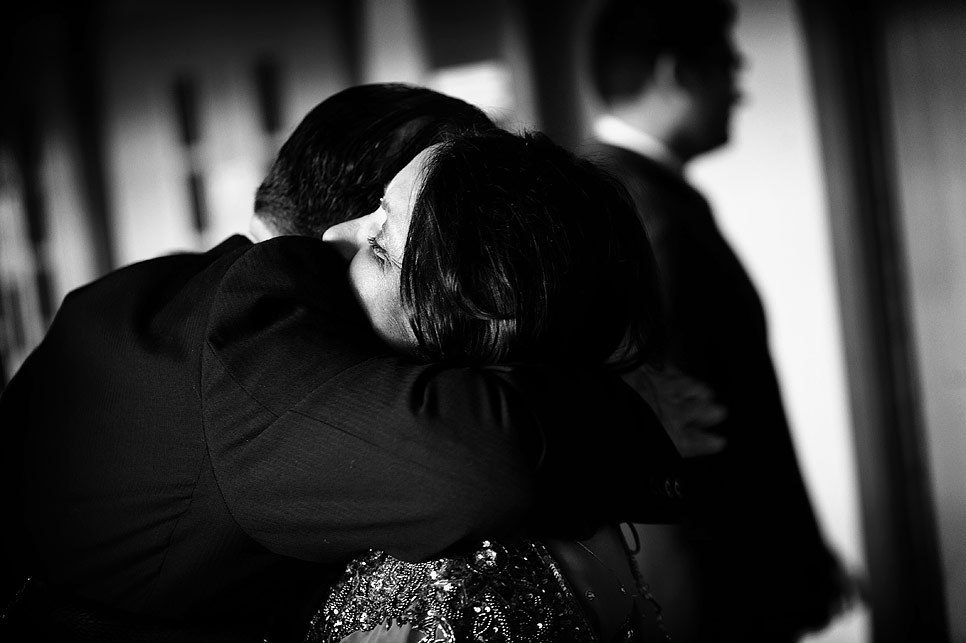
616, 131
258, 230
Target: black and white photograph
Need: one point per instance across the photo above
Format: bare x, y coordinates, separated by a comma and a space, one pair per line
483, 321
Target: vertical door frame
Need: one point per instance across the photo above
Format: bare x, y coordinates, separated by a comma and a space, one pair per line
846, 52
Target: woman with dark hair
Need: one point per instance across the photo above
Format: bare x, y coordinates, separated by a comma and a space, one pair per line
494, 249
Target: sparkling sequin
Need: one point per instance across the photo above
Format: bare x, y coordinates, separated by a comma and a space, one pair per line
501, 593
489, 559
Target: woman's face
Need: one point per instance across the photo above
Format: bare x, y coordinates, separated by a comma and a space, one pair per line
375, 245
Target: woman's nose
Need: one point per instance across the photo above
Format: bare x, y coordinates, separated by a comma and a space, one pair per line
349, 237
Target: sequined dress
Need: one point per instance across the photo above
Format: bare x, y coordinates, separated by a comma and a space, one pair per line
500, 593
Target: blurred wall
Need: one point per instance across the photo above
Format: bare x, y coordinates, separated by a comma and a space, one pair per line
927, 109
891, 95
195, 109
477, 50
51, 201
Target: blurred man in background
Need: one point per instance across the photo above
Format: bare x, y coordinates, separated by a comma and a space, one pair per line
751, 563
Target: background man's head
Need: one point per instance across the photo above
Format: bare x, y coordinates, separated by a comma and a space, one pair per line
339, 159
668, 67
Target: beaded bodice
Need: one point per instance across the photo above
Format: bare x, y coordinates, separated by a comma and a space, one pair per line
499, 593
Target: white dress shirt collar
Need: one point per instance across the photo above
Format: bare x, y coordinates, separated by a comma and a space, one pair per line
613, 131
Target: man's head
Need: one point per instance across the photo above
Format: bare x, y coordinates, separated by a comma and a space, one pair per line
497, 248
668, 67
339, 159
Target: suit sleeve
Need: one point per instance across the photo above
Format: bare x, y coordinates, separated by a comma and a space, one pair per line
15, 420
325, 444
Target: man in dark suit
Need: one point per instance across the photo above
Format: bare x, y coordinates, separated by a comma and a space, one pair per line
202, 440
750, 563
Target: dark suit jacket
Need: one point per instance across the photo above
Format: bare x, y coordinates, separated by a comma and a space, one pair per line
202, 438
761, 564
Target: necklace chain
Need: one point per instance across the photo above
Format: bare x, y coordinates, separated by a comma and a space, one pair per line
643, 589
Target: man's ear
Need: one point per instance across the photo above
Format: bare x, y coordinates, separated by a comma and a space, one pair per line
673, 74
667, 72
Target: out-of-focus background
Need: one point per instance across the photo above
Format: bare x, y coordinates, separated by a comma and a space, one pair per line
133, 129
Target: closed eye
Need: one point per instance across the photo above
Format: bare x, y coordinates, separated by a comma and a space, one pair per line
381, 253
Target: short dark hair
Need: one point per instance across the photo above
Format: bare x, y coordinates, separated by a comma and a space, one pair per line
339, 159
629, 35
520, 251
